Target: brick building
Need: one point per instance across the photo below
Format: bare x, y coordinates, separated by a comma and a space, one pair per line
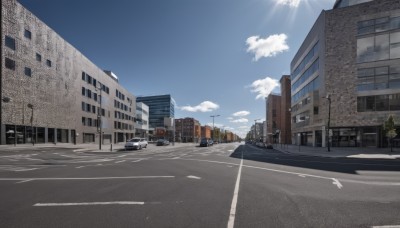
187, 130
206, 132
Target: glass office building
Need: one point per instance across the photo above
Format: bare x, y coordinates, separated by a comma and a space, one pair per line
160, 106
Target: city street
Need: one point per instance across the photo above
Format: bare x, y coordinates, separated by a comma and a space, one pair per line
226, 185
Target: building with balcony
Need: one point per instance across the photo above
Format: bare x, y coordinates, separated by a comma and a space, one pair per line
349, 65
51, 93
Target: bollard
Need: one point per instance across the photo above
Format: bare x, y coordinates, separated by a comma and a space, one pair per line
111, 147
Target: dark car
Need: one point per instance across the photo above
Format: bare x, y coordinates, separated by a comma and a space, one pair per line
206, 142
162, 142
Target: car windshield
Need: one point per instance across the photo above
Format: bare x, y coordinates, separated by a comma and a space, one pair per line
134, 140
160, 140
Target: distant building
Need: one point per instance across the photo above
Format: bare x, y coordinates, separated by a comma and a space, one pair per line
142, 120
187, 130
160, 107
348, 64
51, 93
273, 118
206, 132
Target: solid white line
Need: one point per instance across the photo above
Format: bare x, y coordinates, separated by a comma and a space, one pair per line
120, 161
22, 170
193, 177
232, 214
387, 226
79, 167
85, 178
24, 181
87, 204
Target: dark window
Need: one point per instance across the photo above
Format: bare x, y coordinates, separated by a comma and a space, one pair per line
89, 93
316, 110
38, 57
84, 121
83, 76
10, 42
95, 96
94, 82
103, 112
89, 79
28, 34
48, 63
10, 64
87, 107
83, 91
83, 106
93, 109
28, 71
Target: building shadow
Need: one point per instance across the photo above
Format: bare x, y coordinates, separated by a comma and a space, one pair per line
342, 165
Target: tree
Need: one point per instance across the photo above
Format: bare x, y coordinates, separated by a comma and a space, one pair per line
390, 130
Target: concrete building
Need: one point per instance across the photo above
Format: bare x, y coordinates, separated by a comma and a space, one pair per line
349, 65
142, 120
50, 92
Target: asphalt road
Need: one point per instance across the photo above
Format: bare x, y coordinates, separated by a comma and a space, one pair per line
227, 185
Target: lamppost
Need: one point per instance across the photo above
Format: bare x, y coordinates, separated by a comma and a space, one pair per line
99, 115
213, 116
255, 124
32, 139
328, 97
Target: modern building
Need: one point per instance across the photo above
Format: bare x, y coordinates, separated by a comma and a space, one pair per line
346, 75
187, 130
51, 93
160, 106
142, 120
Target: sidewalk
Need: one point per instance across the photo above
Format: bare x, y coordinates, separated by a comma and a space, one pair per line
340, 152
87, 147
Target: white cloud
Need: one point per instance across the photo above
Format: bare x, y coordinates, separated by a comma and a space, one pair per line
229, 118
268, 47
241, 113
244, 127
264, 87
205, 106
241, 120
291, 3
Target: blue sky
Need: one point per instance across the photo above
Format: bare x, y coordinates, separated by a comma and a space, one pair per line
215, 57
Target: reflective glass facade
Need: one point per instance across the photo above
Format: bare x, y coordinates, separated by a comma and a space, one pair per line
159, 107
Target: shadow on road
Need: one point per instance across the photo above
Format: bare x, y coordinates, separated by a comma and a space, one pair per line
343, 165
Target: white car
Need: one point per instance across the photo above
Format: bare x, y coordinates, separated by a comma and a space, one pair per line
136, 143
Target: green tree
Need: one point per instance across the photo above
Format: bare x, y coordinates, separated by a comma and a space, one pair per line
390, 130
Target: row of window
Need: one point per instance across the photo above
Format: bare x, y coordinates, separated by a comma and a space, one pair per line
89, 79
122, 126
91, 108
378, 78
301, 117
306, 75
10, 43
121, 106
378, 47
313, 52
388, 102
313, 85
301, 104
120, 95
139, 109
88, 93
89, 122
378, 25
123, 116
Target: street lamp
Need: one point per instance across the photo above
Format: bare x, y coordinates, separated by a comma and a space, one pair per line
255, 122
213, 116
328, 97
31, 107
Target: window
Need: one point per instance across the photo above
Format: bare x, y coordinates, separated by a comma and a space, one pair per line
28, 72
83, 91
395, 45
89, 93
94, 82
27, 34
48, 63
84, 121
88, 107
95, 96
316, 110
83, 106
10, 42
93, 109
89, 79
38, 57
10, 64
83, 76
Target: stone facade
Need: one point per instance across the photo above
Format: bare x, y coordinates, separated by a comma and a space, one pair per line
54, 87
336, 32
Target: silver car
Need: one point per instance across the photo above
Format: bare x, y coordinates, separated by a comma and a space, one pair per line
136, 143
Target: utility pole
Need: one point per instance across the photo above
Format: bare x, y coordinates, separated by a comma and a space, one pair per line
329, 121
99, 124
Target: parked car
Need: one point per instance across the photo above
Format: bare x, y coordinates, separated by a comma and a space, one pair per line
206, 142
269, 146
136, 143
162, 142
